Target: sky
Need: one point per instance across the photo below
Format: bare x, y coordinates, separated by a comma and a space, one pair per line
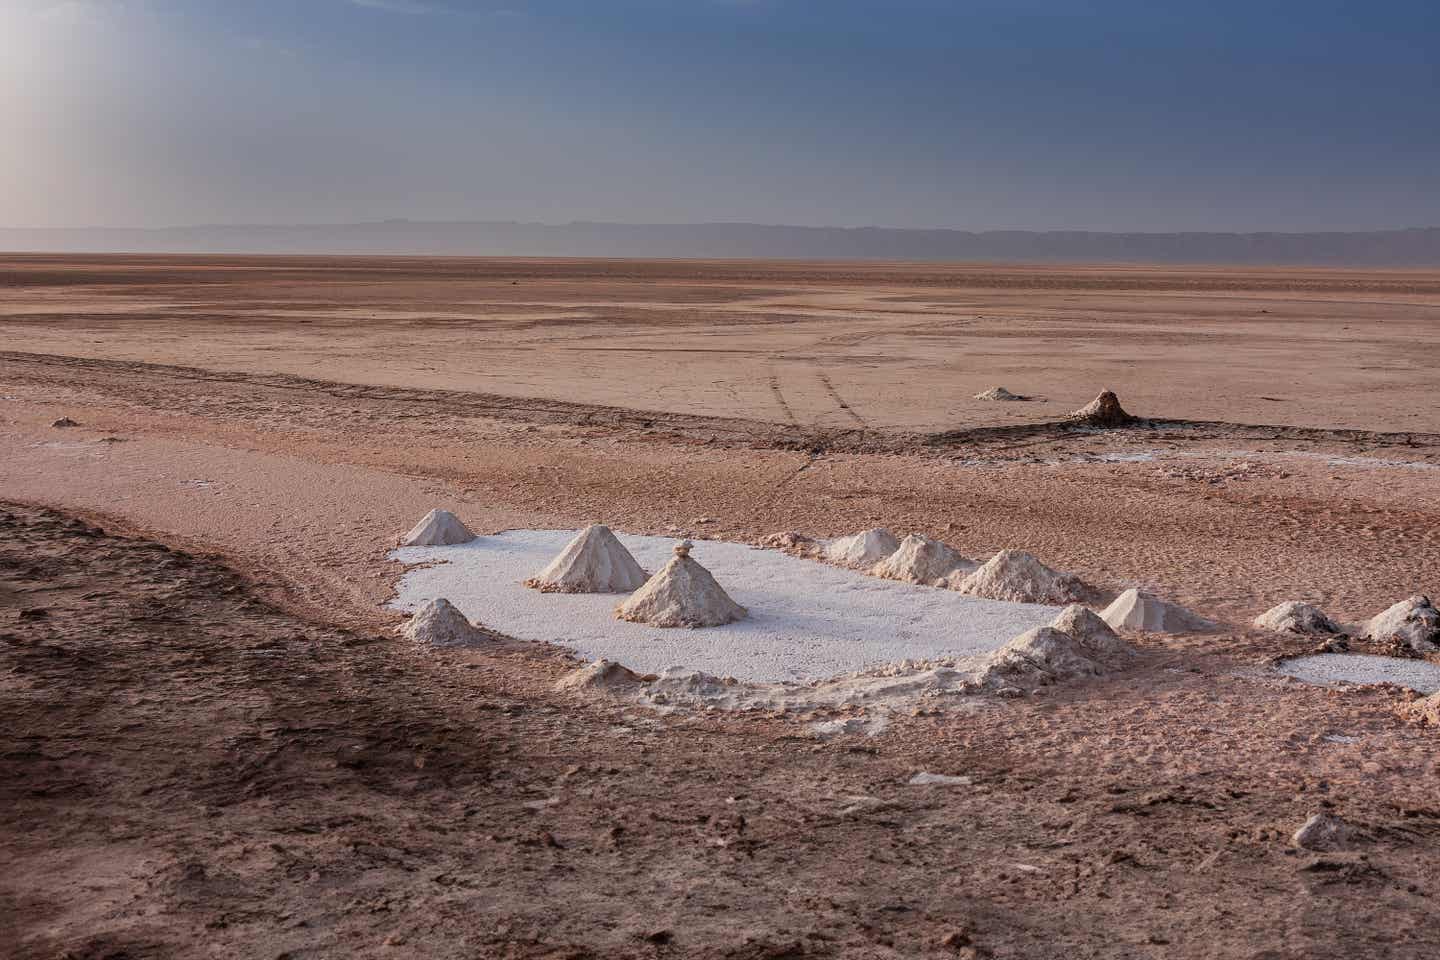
1149, 115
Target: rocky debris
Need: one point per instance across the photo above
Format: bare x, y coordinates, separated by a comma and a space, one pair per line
681, 594
438, 528
1293, 616
999, 393
792, 542
594, 562
920, 559
1134, 610
1323, 831
440, 623
1020, 578
863, 549
1424, 711
601, 676
63, 423
1411, 626
1103, 411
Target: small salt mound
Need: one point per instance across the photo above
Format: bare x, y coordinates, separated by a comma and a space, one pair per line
864, 549
594, 562
1103, 411
439, 624
682, 594
1292, 616
923, 560
438, 528
999, 393
1018, 577
1076, 644
602, 676
1412, 623
1093, 633
1133, 610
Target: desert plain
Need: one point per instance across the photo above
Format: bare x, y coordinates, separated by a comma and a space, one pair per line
214, 744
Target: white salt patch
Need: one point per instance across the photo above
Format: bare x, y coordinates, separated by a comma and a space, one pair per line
808, 620
1331, 668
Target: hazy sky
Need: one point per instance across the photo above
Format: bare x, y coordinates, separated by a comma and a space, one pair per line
976, 114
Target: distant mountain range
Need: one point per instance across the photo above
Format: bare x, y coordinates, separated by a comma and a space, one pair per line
1419, 247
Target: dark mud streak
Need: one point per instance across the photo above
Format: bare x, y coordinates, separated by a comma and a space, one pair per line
731, 431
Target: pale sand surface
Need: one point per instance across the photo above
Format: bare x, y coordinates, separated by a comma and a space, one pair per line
833, 346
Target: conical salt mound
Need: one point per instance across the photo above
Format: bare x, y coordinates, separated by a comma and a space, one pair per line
1133, 610
1092, 633
863, 549
1018, 577
439, 528
1413, 624
682, 594
602, 676
1292, 616
999, 393
440, 624
594, 562
922, 560
1103, 411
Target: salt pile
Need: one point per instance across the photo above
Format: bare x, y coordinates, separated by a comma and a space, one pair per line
1292, 616
923, 560
1133, 610
601, 676
594, 562
999, 393
1413, 624
864, 549
682, 594
1103, 411
438, 528
439, 624
1020, 578
1076, 644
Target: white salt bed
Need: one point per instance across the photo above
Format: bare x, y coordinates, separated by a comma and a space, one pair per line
808, 620
1331, 668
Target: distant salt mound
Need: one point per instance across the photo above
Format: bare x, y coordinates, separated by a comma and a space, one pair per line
600, 677
1103, 411
999, 393
1020, 578
1076, 644
438, 528
594, 562
923, 560
682, 594
1412, 624
1292, 616
1133, 610
863, 549
439, 623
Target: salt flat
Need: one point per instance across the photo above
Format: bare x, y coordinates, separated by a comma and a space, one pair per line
807, 621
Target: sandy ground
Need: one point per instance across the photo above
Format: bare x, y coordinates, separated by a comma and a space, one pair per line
279, 417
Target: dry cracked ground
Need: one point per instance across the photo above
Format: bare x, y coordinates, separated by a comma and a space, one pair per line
213, 745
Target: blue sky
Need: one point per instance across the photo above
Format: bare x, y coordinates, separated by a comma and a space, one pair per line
976, 114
